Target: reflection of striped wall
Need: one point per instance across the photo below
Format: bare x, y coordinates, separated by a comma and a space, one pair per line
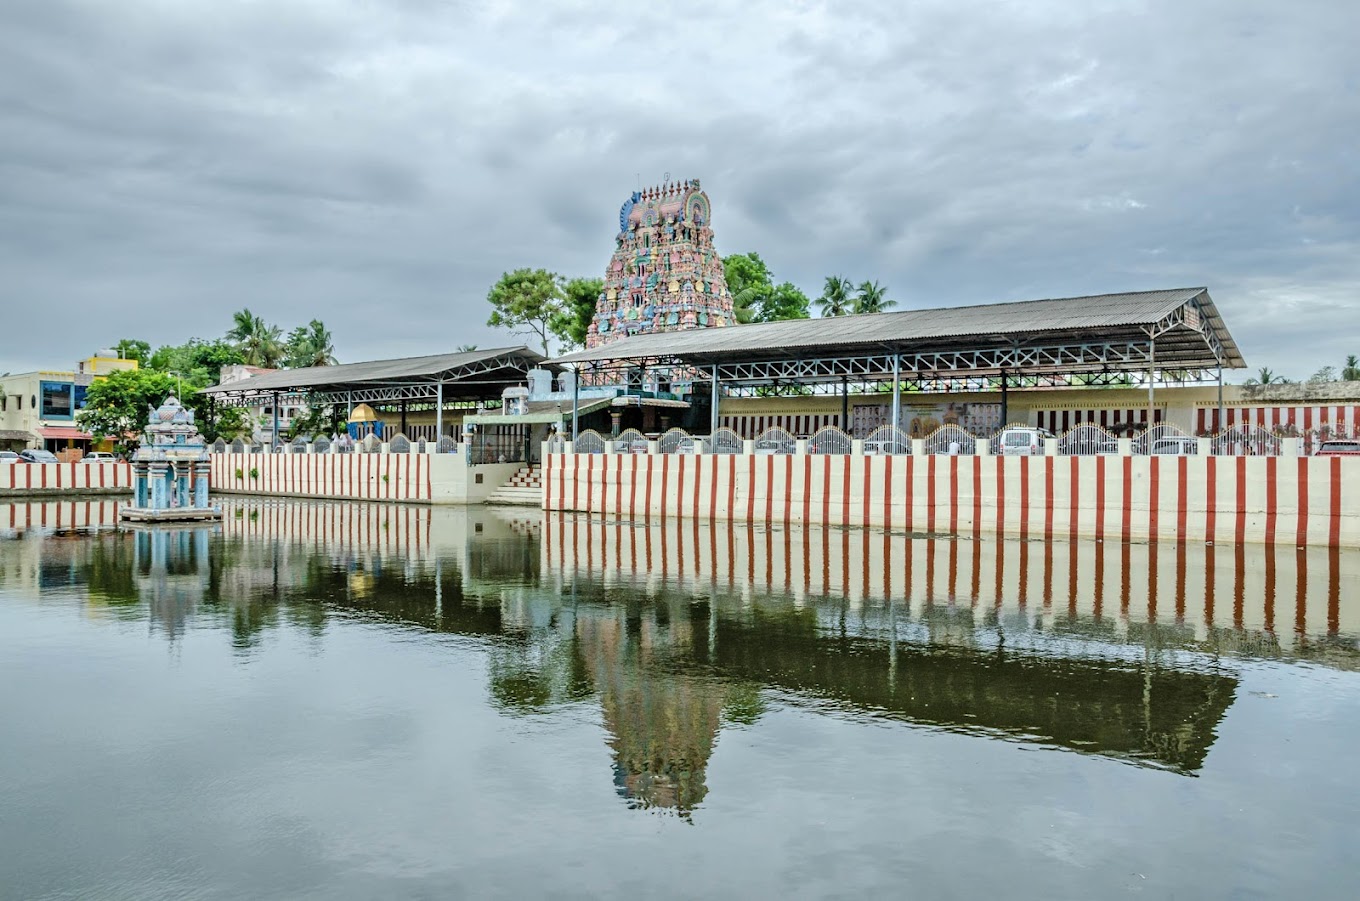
1338, 420
800, 425
1286, 593
1059, 421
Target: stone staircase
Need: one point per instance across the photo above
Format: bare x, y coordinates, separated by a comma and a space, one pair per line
525, 489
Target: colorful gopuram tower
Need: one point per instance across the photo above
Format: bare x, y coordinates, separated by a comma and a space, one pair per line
665, 274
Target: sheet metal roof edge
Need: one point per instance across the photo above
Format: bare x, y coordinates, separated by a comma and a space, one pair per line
381, 371
650, 344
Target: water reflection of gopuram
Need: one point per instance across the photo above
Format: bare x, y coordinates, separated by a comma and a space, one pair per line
678, 632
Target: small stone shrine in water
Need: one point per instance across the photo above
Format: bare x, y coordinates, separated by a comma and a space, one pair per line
172, 450
665, 274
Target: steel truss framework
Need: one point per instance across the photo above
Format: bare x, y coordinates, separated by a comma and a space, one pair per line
461, 388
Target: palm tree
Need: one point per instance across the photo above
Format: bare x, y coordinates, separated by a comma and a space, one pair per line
259, 342
835, 299
1266, 376
1351, 371
310, 345
873, 298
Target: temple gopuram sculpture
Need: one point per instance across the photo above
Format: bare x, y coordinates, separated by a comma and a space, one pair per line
171, 450
665, 274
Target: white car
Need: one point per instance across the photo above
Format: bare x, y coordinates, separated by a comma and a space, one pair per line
99, 457
1179, 446
1023, 442
8, 458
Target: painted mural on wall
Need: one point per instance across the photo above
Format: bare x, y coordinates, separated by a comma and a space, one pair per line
919, 419
665, 274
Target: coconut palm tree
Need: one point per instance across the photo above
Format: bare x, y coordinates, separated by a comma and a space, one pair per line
260, 343
1266, 376
1351, 371
310, 345
872, 298
835, 299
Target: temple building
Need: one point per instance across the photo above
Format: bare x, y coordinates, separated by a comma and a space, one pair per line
665, 274
170, 469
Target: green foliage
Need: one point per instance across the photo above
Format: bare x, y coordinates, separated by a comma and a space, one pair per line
836, 299
1351, 371
254, 474
259, 342
1267, 376
133, 349
1323, 375
572, 322
526, 300
871, 297
755, 298
239, 476
118, 406
310, 345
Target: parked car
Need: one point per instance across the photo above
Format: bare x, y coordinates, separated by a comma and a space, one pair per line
886, 447
685, 446
1175, 446
8, 458
1337, 449
99, 457
1019, 441
37, 456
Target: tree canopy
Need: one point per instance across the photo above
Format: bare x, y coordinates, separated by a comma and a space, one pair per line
571, 323
310, 345
755, 297
836, 297
118, 406
528, 301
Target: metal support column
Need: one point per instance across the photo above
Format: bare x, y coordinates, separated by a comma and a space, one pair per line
576, 405
897, 393
1218, 423
438, 414
275, 440
1152, 391
1005, 402
713, 416
845, 404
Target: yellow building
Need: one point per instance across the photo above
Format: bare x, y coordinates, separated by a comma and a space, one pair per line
38, 409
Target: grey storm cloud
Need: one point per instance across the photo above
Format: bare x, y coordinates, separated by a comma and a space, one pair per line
379, 164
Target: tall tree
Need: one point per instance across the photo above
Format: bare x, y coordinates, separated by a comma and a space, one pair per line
260, 343
835, 299
133, 349
871, 297
786, 301
750, 282
1266, 376
1351, 371
310, 345
118, 406
526, 300
572, 322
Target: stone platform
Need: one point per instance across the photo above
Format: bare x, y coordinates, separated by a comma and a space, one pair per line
173, 514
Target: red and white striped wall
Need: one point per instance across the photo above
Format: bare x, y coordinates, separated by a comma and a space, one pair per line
369, 477
1338, 420
40, 478
800, 425
1059, 421
1294, 500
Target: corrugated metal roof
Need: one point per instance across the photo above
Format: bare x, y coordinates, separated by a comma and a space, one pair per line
1001, 321
407, 369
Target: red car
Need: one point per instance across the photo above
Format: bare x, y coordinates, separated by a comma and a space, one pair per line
1337, 449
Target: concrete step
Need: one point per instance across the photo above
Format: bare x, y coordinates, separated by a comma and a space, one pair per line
527, 497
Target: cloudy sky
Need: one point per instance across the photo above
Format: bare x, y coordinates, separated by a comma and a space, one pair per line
379, 163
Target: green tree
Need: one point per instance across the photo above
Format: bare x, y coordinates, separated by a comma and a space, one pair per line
871, 297
755, 297
1351, 371
198, 362
133, 349
118, 406
786, 301
572, 322
1266, 376
260, 343
835, 299
310, 345
526, 300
